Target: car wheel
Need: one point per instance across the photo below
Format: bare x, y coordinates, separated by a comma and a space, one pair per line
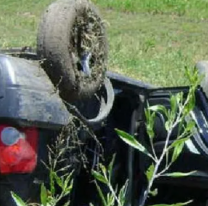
73, 46
202, 67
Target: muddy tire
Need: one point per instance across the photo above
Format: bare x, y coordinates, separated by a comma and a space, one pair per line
73, 45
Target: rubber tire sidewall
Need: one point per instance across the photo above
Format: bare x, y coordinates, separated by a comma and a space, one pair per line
53, 43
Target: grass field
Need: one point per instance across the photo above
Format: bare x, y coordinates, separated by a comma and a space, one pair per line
149, 40
189, 8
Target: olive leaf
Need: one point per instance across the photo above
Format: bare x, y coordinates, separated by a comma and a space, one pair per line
158, 108
101, 194
177, 204
150, 171
131, 141
150, 120
122, 193
58, 180
177, 150
178, 142
154, 192
99, 177
110, 166
179, 174
43, 195
18, 200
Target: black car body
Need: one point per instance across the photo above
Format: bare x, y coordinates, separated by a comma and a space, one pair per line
32, 115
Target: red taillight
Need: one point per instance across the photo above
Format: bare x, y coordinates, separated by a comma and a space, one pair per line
18, 149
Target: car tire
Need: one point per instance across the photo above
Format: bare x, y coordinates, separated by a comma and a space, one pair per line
73, 46
202, 67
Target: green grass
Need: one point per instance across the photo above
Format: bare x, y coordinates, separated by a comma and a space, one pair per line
153, 42
19, 20
190, 8
155, 48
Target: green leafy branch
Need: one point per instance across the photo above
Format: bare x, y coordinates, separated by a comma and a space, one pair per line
49, 197
175, 117
115, 196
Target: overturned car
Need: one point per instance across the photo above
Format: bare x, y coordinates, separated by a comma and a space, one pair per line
41, 92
